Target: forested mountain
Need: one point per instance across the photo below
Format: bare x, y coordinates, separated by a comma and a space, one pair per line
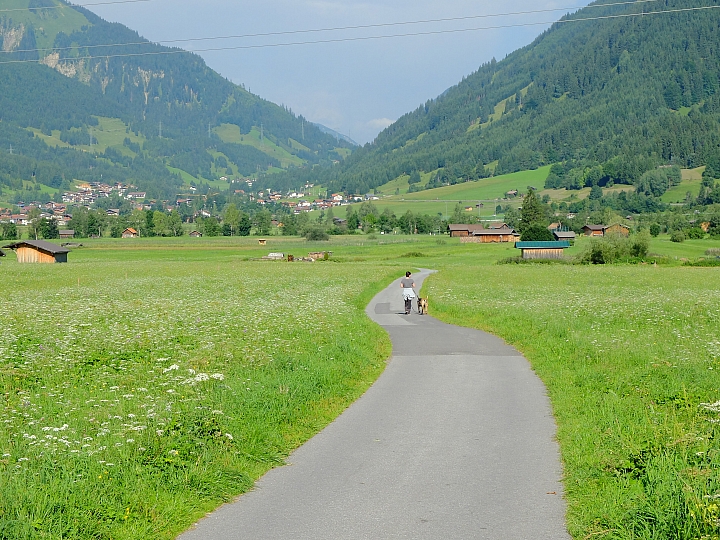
605, 99
64, 72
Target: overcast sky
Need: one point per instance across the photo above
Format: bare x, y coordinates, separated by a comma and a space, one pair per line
355, 87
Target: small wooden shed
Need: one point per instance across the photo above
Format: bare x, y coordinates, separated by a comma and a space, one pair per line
542, 250
129, 233
564, 235
39, 251
66, 234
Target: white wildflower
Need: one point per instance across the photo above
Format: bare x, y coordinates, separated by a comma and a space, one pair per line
714, 407
171, 368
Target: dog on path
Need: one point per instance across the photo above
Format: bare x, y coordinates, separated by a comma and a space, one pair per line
422, 305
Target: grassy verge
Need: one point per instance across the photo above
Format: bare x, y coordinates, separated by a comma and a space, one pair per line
140, 393
107, 433
630, 356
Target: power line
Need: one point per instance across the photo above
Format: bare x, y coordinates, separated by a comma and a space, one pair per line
343, 28
368, 38
75, 5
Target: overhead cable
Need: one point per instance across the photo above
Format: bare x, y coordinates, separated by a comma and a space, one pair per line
342, 28
389, 36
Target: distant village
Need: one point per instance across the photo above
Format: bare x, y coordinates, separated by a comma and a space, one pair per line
89, 193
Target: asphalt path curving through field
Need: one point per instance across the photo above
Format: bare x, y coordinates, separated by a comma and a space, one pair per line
454, 440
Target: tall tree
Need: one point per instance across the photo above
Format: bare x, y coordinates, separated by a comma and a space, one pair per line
232, 218
532, 211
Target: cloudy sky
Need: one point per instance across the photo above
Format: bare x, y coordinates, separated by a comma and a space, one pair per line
355, 86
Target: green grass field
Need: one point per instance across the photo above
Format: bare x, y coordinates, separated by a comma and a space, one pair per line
442, 201
149, 380
47, 24
690, 182
230, 133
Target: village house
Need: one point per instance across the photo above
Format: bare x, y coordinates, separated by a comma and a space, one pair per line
19, 219
38, 251
129, 233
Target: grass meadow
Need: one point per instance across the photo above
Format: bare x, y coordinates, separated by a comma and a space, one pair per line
145, 382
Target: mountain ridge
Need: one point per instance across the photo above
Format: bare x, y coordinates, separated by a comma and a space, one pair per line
628, 94
169, 96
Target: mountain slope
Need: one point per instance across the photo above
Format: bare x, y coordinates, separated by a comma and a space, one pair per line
628, 92
61, 68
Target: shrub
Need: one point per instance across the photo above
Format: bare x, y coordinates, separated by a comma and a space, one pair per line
713, 252
654, 230
613, 248
696, 233
316, 233
640, 244
537, 233
703, 262
677, 236
599, 252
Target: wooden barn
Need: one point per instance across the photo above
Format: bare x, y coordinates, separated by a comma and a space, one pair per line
594, 230
602, 230
492, 236
617, 229
462, 230
39, 251
542, 250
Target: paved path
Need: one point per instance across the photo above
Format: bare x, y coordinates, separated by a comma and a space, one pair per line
454, 441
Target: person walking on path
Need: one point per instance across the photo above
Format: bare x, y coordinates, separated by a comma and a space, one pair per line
408, 287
